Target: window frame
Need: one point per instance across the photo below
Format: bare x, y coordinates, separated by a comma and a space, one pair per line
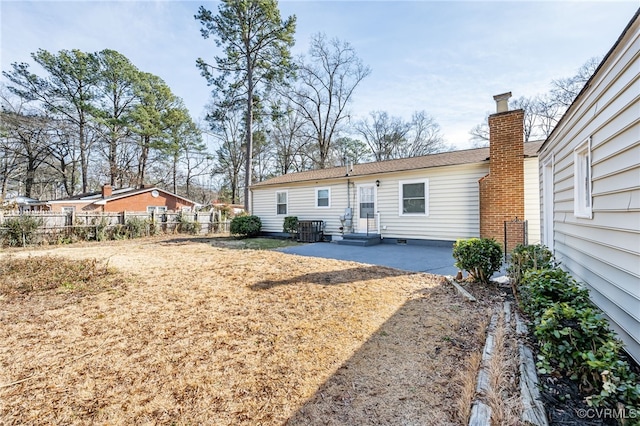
156, 209
286, 203
317, 190
401, 198
582, 181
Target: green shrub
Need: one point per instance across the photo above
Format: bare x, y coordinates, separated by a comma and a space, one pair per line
480, 257
246, 226
79, 233
577, 342
101, 228
540, 289
188, 226
154, 227
21, 230
119, 232
574, 339
136, 227
526, 258
290, 225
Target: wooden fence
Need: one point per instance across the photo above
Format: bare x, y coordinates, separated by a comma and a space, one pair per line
65, 223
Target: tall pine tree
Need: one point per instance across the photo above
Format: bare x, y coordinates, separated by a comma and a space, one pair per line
256, 44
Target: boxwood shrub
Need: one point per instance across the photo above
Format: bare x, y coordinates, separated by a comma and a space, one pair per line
290, 225
480, 257
246, 226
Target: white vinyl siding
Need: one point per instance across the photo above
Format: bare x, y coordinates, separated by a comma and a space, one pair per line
532, 200
602, 249
453, 203
323, 198
301, 203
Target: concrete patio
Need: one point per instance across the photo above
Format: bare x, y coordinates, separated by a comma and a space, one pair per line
434, 259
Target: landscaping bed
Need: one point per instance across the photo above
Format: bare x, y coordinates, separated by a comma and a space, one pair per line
189, 332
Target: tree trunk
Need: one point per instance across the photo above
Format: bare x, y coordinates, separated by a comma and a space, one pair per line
84, 154
249, 136
113, 159
144, 155
174, 174
29, 177
5, 176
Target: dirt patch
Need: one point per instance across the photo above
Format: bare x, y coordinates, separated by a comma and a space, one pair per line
203, 334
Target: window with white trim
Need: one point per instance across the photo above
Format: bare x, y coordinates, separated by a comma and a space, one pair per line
414, 197
281, 202
156, 209
582, 180
323, 198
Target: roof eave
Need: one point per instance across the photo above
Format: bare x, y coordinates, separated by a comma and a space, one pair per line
263, 185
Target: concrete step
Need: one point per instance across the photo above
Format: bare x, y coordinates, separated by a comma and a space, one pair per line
361, 240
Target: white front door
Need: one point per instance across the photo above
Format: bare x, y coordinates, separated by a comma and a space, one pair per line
366, 208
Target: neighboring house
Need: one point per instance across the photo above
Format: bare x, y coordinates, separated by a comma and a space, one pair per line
434, 198
590, 187
148, 198
18, 202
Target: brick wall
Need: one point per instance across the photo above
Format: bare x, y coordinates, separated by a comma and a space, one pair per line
502, 190
140, 202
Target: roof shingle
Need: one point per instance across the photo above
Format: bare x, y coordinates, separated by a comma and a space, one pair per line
467, 156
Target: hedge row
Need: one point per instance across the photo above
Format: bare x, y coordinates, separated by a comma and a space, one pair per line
22, 231
573, 336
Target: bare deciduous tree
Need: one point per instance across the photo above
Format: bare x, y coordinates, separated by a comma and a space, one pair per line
542, 112
385, 134
226, 120
326, 83
288, 140
391, 137
565, 90
424, 136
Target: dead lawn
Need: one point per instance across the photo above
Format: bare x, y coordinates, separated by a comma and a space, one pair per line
198, 334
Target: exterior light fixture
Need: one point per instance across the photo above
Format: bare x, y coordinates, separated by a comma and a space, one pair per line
377, 182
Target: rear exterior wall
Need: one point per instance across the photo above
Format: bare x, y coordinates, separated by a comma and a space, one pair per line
452, 199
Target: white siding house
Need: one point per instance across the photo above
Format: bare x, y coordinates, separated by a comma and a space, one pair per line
590, 187
532, 199
434, 197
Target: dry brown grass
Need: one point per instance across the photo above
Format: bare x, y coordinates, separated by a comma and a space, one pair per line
503, 396
208, 335
20, 276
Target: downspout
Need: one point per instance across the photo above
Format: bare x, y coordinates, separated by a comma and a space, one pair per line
348, 193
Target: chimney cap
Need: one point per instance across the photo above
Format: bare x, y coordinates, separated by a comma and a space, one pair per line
502, 101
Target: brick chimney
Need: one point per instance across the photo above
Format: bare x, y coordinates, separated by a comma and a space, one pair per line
502, 190
107, 190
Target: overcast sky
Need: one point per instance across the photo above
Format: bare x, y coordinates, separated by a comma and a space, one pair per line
447, 58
